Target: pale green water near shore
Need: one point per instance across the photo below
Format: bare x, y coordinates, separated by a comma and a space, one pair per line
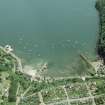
49, 30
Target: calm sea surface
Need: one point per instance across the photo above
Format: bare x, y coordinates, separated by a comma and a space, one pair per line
53, 31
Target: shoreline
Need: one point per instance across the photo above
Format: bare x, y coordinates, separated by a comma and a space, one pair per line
37, 73
100, 46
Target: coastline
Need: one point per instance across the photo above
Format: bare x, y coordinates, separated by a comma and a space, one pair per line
100, 47
49, 90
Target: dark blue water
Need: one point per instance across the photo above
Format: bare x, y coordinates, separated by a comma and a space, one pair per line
54, 31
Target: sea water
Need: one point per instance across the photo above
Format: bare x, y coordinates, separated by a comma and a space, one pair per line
53, 31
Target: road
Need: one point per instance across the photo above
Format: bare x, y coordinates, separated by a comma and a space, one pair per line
76, 100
